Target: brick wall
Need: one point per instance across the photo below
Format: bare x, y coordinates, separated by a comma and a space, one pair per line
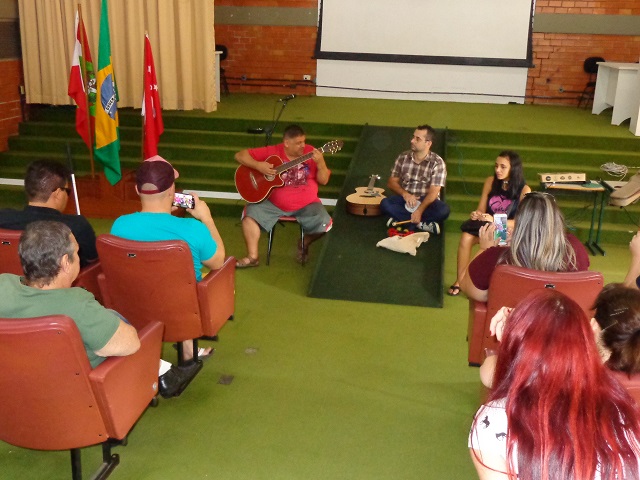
10, 110
273, 59
559, 58
589, 7
269, 59
558, 76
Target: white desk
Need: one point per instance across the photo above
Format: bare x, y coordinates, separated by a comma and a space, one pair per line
635, 124
617, 86
216, 67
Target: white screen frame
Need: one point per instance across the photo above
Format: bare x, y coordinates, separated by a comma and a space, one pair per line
453, 32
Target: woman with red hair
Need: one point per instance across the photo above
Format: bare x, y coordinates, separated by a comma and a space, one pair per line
555, 411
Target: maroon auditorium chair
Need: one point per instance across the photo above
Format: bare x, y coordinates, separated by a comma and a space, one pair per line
51, 398
147, 281
9, 259
509, 284
10, 263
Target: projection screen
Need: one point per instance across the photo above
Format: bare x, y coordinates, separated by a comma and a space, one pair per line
456, 39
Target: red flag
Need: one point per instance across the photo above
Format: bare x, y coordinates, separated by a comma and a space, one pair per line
151, 110
85, 112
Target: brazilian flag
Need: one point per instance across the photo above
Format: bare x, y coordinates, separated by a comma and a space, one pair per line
107, 149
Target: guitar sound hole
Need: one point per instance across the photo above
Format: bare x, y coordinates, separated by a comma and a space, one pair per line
270, 177
253, 181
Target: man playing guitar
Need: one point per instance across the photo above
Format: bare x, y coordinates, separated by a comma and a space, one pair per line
298, 197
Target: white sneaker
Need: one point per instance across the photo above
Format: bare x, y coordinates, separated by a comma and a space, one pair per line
431, 227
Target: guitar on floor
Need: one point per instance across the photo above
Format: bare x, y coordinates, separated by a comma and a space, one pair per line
366, 200
254, 186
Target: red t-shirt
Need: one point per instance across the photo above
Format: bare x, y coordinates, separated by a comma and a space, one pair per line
300, 185
481, 267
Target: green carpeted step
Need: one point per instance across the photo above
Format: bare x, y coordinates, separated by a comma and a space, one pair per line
550, 156
12, 196
481, 169
201, 148
227, 138
198, 120
514, 140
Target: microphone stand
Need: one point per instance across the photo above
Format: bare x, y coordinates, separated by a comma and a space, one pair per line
269, 131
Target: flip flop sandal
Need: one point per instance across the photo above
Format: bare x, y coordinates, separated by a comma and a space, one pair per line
202, 355
201, 350
247, 262
454, 290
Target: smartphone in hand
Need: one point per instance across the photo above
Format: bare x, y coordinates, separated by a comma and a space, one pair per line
184, 200
500, 221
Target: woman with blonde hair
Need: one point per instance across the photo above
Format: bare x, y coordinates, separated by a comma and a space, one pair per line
538, 242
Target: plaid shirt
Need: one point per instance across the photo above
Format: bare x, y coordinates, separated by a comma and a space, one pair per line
416, 178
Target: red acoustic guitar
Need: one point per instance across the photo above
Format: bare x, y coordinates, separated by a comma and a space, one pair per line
254, 186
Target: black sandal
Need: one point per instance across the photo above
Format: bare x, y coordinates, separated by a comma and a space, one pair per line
454, 290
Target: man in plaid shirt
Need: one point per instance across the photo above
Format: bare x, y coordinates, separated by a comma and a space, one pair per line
417, 177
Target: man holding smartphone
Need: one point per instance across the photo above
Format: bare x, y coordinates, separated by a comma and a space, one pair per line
155, 184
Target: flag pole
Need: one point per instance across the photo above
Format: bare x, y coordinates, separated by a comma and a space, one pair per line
143, 117
85, 81
73, 179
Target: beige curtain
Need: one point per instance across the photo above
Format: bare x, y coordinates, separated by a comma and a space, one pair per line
181, 34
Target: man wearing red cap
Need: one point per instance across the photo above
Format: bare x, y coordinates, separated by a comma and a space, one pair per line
155, 184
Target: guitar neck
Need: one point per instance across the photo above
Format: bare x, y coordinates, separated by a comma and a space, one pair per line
286, 166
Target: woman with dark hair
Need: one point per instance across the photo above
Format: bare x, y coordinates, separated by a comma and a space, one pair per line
538, 242
617, 327
555, 411
501, 193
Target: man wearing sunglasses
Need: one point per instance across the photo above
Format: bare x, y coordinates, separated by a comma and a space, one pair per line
47, 187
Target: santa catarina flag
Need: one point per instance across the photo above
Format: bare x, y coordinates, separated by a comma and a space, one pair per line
107, 149
77, 82
151, 110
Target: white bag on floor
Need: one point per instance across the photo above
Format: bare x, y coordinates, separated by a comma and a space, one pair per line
408, 244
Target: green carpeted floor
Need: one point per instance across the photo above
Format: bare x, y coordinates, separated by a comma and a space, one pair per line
545, 119
322, 389
325, 389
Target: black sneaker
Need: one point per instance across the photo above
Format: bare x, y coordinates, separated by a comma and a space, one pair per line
431, 227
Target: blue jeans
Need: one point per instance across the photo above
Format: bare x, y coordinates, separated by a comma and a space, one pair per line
393, 206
